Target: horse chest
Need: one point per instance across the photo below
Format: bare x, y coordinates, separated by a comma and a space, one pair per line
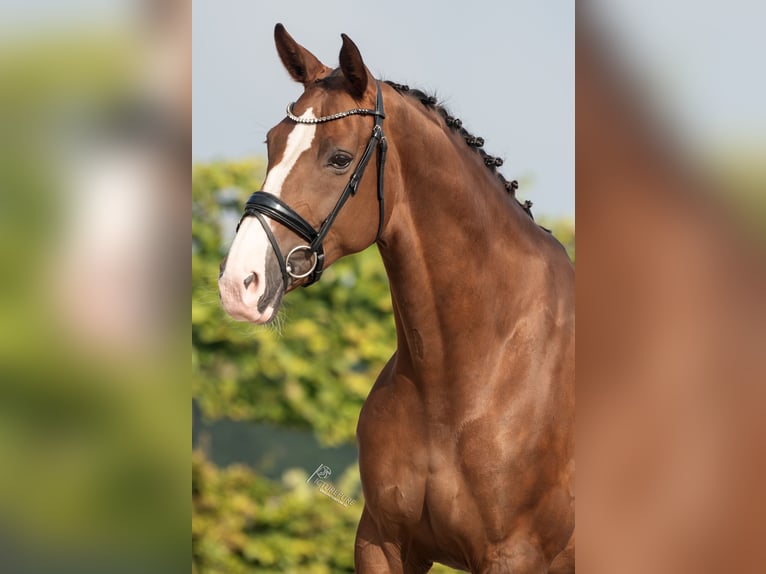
412, 471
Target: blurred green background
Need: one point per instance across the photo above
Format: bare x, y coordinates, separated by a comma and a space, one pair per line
94, 411
273, 403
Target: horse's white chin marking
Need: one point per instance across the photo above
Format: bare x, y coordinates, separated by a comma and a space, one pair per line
250, 247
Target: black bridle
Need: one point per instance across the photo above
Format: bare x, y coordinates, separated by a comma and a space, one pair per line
263, 203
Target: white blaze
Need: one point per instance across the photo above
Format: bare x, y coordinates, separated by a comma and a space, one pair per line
250, 247
298, 141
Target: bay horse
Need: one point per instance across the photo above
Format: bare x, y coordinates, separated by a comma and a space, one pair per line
466, 440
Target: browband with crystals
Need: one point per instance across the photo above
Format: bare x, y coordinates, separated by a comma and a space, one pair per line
338, 116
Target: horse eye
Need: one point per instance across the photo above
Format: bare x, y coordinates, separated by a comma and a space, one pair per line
340, 160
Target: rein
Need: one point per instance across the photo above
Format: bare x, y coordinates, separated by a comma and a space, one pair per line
263, 203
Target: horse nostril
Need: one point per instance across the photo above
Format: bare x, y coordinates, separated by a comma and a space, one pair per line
249, 279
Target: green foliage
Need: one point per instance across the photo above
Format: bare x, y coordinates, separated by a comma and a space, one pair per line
244, 523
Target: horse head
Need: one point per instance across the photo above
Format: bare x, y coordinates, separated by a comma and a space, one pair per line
317, 203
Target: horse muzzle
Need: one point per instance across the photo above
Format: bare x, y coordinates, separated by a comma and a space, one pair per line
250, 282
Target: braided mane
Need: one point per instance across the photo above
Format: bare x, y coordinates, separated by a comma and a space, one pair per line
475, 143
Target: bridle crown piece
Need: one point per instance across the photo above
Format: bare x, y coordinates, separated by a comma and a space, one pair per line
262, 203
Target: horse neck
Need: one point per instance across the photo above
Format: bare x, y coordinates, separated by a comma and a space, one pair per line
466, 265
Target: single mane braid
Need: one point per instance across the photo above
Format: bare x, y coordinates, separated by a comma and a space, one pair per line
475, 143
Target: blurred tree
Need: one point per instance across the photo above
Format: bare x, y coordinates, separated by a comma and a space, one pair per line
244, 523
91, 440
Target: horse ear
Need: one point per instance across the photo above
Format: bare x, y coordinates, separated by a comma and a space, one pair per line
353, 67
302, 65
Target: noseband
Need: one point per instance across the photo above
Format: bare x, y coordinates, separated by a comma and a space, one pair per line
263, 203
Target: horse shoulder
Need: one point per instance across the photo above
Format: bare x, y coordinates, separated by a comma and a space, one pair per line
392, 449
